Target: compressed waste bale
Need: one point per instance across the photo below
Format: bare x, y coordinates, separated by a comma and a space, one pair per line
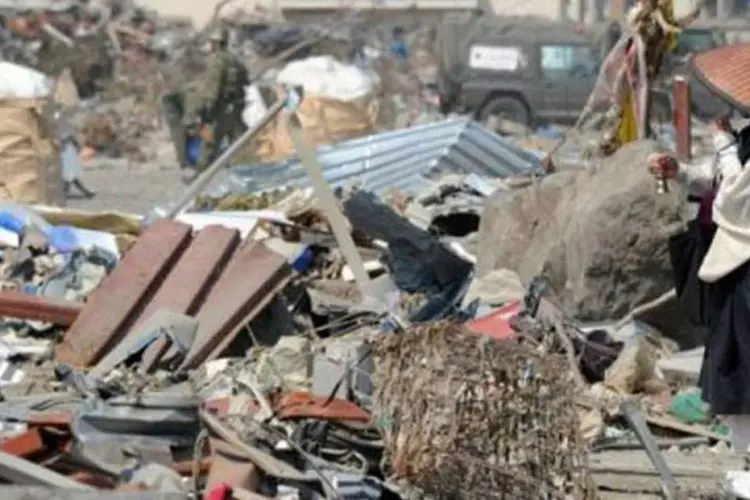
467, 417
599, 236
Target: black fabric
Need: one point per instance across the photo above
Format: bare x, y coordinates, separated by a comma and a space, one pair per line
725, 374
597, 352
743, 142
686, 251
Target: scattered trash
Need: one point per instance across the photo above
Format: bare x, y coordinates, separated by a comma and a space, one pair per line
452, 318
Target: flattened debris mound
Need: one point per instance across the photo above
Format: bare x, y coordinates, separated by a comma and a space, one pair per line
467, 417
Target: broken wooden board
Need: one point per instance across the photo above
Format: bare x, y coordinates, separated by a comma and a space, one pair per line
115, 304
251, 280
632, 471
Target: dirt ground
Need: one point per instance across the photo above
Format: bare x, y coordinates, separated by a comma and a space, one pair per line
133, 187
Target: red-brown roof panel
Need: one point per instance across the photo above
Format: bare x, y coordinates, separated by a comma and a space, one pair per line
726, 71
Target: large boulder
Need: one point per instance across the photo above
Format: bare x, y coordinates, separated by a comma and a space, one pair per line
599, 235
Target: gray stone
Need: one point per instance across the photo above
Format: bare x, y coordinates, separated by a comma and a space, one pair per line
599, 236
495, 288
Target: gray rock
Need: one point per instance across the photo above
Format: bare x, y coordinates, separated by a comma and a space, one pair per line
599, 236
495, 288
518, 228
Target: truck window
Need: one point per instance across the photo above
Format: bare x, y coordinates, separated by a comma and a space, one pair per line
565, 61
496, 58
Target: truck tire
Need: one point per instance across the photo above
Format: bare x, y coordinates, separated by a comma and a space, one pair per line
508, 108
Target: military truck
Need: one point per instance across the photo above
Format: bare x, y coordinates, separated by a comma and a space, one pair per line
532, 71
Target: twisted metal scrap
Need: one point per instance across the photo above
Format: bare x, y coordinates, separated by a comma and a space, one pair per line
466, 417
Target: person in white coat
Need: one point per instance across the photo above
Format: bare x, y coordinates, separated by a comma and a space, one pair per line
716, 288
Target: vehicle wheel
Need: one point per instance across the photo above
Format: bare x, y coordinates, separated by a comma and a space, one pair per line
505, 108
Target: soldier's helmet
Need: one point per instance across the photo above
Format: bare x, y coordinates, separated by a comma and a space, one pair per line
220, 35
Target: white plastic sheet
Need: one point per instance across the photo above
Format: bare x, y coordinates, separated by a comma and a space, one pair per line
255, 107
20, 82
325, 77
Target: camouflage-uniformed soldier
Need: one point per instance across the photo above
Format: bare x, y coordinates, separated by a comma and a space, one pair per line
221, 100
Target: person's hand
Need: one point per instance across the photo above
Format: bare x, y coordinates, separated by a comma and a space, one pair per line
720, 125
663, 166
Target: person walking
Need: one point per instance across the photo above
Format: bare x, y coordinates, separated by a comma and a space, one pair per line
217, 110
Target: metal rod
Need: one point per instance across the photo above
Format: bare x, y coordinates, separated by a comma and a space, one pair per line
200, 183
59, 35
20, 471
339, 224
635, 418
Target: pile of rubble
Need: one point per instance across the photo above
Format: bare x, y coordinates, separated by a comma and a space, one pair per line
233, 351
486, 329
149, 373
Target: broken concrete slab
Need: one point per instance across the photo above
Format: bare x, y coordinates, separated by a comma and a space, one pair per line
346, 360
496, 288
172, 328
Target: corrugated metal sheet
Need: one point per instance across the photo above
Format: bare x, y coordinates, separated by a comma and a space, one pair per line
406, 160
378, 4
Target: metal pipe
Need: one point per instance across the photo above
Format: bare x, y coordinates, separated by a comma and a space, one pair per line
681, 114
59, 35
200, 183
339, 223
634, 417
20, 471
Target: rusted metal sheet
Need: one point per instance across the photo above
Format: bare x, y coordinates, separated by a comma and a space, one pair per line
301, 405
724, 71
118, 300
682, 117
189, 282
251, 280
24, 306
24, 445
